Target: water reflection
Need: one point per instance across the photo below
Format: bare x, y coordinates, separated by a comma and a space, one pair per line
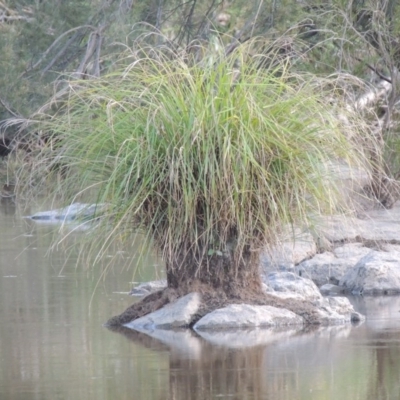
303, 364
7, 206
53, 346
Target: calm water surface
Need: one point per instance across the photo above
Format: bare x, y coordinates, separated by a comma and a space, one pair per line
53, 345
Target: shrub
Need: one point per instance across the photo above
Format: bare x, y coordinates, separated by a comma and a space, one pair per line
209, 160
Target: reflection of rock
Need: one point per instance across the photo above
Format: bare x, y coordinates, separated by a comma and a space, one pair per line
382, 312
174, 315
184, 343
242, 338
376, 273
7, 205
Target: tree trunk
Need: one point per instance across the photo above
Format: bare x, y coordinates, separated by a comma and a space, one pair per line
237, 275
221, 278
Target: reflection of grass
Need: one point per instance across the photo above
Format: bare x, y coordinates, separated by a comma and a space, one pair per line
200, 157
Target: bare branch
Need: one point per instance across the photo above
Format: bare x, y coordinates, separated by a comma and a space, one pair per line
93, 46
60, 53
8, 108
96, 66
44, 55
10, 18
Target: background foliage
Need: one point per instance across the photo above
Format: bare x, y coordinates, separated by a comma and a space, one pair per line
46, 43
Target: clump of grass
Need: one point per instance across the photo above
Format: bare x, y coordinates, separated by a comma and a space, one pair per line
208, 160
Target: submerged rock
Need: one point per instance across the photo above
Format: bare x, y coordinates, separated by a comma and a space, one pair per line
75, 211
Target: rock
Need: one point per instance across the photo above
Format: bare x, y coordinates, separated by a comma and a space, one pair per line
174, 315
340, 228
377, 225
382, 228
146, 288
330, 267
247, 316
331, 290
324, 268
388, 247
283, 285
337, 310
376, 273
288, 283
75, 211
293, 247
353, 251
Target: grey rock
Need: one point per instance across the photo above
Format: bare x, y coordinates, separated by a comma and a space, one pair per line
293, 247
340, 228
330, 267
331, 290
336, 311
288, 283
324, 268
174, 315
353, 251
377, 225
146, 288
247, 316
376, 273
332, 310
73, 212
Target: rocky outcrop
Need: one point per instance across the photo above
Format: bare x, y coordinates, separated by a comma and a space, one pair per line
355, 255
330, 267
284, 289
331, 310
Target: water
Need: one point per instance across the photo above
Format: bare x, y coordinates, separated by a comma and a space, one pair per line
53, 345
